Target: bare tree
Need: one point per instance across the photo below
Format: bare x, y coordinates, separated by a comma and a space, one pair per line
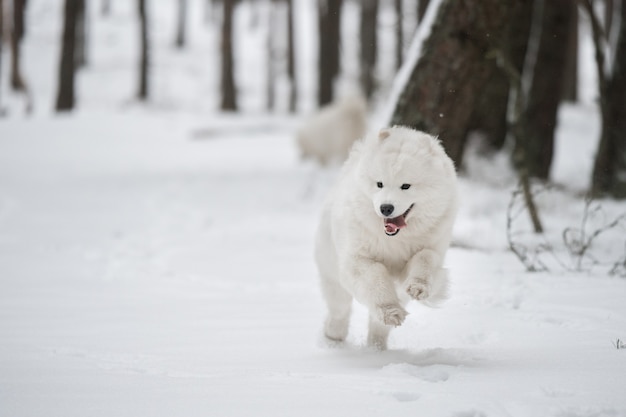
489, 116
518, 132
609, 9
399, 32
422, 5
570, 76
18, 83
67, 67
291, 67
229, 95
610, 163
80, 53
144, 60
329, 32
181, 24
369, 45
540, 115
281, 55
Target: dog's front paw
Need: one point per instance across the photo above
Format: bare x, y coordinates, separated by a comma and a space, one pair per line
391, 314
418, 290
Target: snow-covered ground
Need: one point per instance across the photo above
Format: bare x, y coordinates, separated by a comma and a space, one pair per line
157, 261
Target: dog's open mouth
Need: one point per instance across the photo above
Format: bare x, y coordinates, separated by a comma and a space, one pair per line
394, 224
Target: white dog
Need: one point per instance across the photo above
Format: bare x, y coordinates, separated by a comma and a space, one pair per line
385, 229
328, 135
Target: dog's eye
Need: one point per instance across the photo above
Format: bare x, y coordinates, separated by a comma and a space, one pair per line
405, 186
379, 184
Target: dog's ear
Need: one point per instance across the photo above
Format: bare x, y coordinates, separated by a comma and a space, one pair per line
383, 134
436, 147
439, 156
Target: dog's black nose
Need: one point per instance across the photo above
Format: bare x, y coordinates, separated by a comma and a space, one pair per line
386, 209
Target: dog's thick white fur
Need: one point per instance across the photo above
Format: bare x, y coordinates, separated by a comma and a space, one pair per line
328, 135
385, 229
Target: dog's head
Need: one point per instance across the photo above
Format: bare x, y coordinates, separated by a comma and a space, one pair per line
408, 177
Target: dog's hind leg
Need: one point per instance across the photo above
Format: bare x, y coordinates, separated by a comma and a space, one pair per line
339, 303
377, 334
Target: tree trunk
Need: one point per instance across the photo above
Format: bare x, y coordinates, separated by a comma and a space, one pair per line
329, 32
1, 43
399, 33
540, 115
19, 28
570, 76
609, 171
181, 24
144, 60
229, 99
369, 44
453, 69
17, 33
609, 8
80, 53
291, 67
490, 114
422, 5
65, 96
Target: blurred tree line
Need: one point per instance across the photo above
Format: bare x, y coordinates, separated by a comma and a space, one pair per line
499, 68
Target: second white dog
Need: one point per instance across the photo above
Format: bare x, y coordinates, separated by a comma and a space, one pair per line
385, 229
328, 135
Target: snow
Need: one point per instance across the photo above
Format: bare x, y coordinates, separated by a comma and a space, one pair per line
157, 260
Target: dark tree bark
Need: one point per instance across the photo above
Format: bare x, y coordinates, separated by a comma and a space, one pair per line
329, 31
609, 171
181, 29
570, 77
422, 5
369, 45
19, 27
17, 33
80, 53
540, 115
144, 60
65, 96
609, 8
450, 75
291, 67
399, 33
490, 114
229, 95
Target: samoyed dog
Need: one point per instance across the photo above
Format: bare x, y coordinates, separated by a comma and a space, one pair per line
385, 229
328, 135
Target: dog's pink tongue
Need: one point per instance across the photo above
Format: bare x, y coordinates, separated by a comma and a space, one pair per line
395, 224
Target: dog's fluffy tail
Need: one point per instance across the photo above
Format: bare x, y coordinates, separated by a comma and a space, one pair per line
438, 289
